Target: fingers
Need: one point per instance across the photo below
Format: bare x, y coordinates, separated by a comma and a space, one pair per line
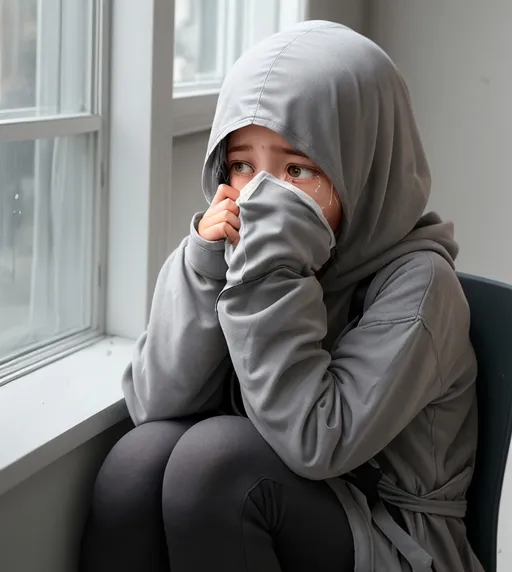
220, 225
221, 231
225, 205
222, 216
225, 192
230, 233
221, 220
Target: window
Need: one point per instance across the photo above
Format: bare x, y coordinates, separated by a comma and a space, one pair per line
52, 55
211, 34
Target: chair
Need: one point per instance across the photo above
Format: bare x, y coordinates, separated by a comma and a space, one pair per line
491, 334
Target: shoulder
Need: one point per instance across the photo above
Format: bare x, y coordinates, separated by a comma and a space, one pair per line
423, 288
418, 286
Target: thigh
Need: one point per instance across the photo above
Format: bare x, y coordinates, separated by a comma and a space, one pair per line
133, 471
124, 530
226, 484
311, 530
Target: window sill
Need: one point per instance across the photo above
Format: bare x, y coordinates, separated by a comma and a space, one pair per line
51, 411
193, 114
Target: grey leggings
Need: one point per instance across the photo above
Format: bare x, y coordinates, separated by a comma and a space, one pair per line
191, 496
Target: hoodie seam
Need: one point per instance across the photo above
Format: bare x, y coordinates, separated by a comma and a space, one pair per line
418, 314
215, 250
258, 102
423, 318
434, 349
245, 501
201, 269
259, 278
412, 320
206, 274
275, 61
427, 288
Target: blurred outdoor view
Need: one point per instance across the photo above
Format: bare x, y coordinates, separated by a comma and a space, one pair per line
18, 52
44, 54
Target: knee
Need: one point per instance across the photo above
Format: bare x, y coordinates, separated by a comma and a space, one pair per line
216, 459
130, 478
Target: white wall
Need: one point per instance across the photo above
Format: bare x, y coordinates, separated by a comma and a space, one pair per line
456, 57
352, 13
186, 196
41, 520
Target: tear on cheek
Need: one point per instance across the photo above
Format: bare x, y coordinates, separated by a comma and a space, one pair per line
333, 198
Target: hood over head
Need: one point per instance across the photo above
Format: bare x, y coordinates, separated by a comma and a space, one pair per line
337, 97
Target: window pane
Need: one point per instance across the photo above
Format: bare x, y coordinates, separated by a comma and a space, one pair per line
197, 43
46, 240
210, 35
45, 55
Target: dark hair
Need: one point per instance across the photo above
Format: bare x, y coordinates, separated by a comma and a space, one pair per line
220, 165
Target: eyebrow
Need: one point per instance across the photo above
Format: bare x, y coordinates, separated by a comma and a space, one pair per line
277, 149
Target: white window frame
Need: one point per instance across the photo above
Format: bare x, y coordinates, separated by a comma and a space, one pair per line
31, 128
140, 162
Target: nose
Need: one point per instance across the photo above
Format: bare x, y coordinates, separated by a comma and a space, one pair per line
272, 168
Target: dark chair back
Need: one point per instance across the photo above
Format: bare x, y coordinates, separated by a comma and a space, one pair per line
491, 334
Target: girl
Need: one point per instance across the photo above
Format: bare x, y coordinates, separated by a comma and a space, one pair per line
304, 394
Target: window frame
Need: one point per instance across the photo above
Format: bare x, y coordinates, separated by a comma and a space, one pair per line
194, 109
96, 121
193, 113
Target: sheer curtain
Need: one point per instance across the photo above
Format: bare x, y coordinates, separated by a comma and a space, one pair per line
47, 185
63, 198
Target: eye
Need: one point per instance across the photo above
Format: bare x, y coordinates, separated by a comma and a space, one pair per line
242, 168
300, 173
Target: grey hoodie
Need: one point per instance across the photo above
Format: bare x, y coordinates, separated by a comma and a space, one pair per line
396, 389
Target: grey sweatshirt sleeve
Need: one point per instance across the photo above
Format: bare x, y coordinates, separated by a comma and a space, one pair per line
181, 360
325, 414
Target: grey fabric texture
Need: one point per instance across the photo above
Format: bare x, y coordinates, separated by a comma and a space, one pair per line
398, 388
